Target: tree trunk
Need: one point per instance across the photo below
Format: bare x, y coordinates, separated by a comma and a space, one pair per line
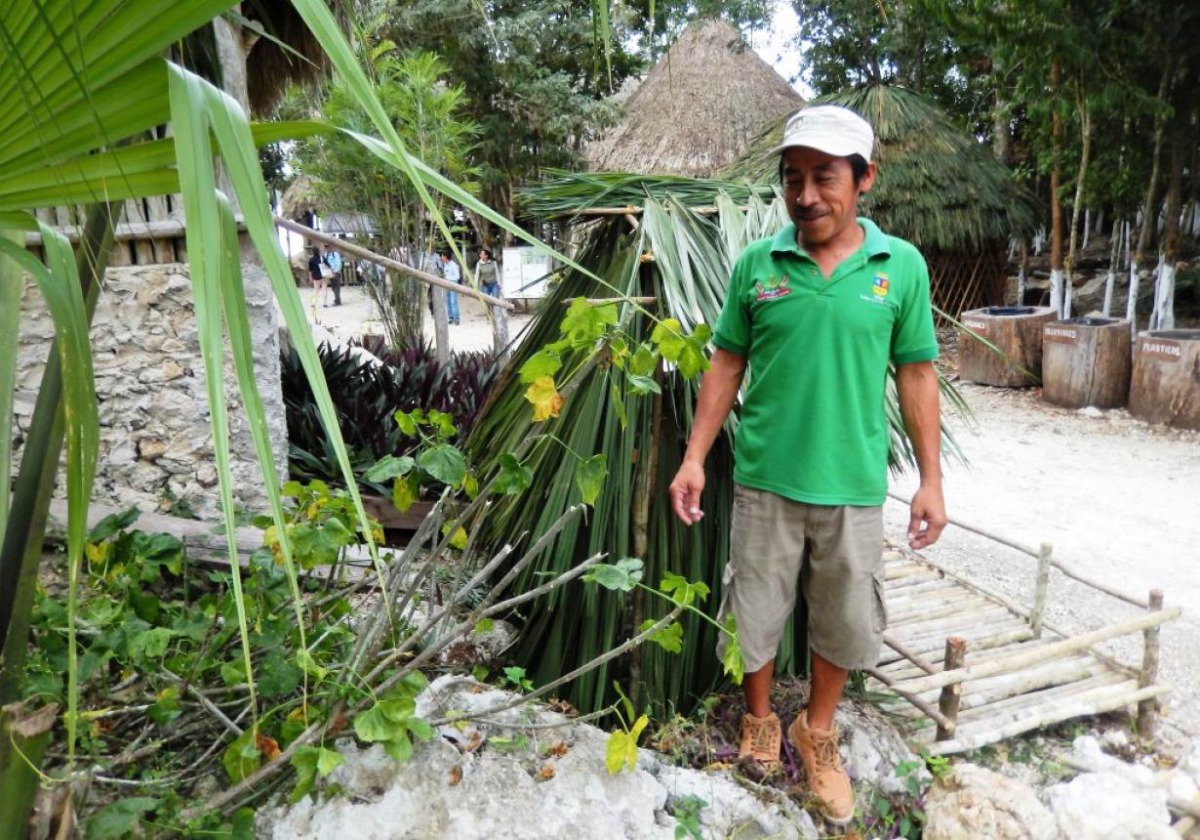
1056, 221
1110, 280
1149, 207
1163, 315
1085, 120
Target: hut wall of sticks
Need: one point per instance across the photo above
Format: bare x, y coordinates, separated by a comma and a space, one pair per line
937, 187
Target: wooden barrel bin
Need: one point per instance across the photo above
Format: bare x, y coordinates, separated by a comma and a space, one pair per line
1165, 387
1085, 361
1016, 332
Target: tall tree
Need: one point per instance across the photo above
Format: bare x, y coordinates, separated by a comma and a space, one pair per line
534, 75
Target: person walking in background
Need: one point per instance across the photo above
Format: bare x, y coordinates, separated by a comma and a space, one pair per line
816, 314
486, 274
451, 272
333, 260
316, 274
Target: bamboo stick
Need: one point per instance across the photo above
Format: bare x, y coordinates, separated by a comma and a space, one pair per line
918, 627
933, 639
913, 657
1042, 588
1042, 653
1102, 700
1013, 707
899, 617
900, 670
928, 709
644, 301
948, 702
891, 571
1147, 714
1020, 683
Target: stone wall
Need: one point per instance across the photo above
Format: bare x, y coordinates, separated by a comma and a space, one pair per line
155, 438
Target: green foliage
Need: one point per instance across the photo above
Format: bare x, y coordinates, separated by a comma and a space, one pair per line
903, 815
366, 398
392, 719
686, 810
312, 763
121, 819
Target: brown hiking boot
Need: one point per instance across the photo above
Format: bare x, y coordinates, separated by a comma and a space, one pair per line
823, 768
761, 737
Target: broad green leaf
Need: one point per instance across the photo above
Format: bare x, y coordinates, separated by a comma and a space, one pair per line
312, 763
547, 401
388, 467
681, 590
373, 725
618, 404
483, 625
643, 361
643, 384
120, 819
113, 524
400, 747
585, 323
242, 757
623, 576
545, 362
150, 644
669, 638
471, 486
443, 424
668, 334
445, 463
731, 658
405, 491
407, 421
589, 477
458, 535
513, 477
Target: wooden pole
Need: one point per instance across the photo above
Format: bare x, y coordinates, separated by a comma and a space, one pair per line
956, 651
499, 330
395, 265
441, 323
920, 704
1043, 587
1147, 717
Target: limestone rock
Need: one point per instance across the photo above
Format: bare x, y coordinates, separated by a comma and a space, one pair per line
973, 802
503, 779
871, 748
1108, 806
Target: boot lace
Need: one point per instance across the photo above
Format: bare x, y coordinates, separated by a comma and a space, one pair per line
764, 738
825, 754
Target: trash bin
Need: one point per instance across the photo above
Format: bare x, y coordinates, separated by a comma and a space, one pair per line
1165, 387
1014, 331
1085, 361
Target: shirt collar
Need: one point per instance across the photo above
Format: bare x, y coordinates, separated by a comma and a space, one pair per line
875, 242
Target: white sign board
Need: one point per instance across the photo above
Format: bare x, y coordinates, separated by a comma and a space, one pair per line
523, 273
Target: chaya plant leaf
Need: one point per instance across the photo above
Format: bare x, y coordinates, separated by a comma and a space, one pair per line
589, 477
623, 577
513, 476
683, 591
586, 322
621, 752
670, 638
547, 401
312, 763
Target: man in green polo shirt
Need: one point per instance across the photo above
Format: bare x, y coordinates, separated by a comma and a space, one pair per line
812, 319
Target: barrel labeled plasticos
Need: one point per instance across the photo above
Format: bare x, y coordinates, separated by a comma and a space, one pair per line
1165, 388
1085, 361
1002, 345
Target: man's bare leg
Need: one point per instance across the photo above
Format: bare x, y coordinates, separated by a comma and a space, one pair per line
756, 688
828, 680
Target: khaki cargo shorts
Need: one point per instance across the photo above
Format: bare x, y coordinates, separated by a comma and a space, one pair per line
836, 552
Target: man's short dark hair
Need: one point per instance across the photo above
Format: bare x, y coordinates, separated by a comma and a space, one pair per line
858, 168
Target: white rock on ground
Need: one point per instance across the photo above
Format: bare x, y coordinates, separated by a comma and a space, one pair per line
485, 779
973, 802
1107, 806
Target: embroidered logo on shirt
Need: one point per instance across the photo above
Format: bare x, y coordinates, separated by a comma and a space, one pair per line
880, 285
772, 288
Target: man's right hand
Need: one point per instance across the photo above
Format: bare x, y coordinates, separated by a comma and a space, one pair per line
685, 492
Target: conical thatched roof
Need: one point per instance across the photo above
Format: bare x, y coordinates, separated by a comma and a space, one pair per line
299, 199
699, 109
937, 186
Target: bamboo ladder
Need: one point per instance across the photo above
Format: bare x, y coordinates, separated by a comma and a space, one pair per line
1003, 670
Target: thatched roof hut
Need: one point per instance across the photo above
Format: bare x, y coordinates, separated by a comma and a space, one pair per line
698, 110
937, 187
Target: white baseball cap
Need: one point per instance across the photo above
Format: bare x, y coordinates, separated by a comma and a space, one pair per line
830, 129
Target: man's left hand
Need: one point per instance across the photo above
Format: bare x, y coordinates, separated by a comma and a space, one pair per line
927, 519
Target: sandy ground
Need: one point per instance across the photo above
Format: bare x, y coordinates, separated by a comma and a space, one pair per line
1119, 500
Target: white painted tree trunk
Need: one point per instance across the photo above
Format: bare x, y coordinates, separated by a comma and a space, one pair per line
1163, 316
1110, 279
1087, 227
1056, 290
1131, 305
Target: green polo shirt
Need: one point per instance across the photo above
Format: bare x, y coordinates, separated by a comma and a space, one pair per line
812, 424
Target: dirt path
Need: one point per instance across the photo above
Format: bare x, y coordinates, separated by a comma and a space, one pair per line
1119, 499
